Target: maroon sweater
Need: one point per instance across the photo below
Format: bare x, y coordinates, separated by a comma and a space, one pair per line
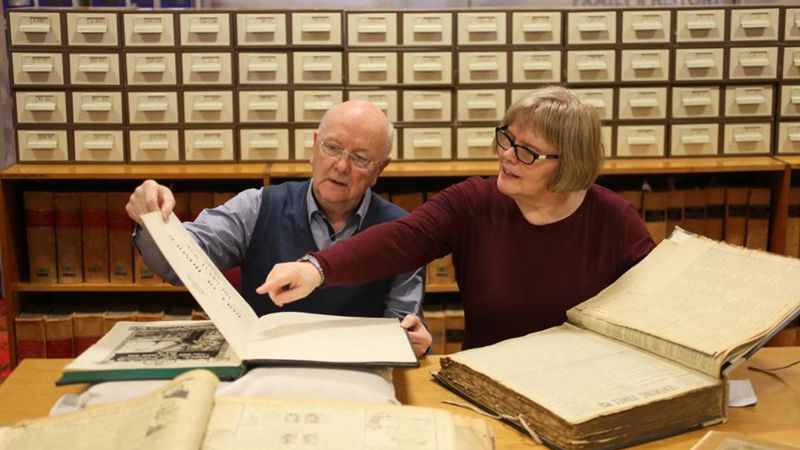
515, 278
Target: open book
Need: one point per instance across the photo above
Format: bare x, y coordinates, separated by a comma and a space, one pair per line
279, 338
184, 415
645, 358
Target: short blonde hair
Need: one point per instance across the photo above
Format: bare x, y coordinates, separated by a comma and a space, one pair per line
571, 126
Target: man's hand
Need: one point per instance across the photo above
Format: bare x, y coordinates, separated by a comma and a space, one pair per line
148, 197
421, 339
291, 281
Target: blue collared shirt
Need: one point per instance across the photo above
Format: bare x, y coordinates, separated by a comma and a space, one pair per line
225, 232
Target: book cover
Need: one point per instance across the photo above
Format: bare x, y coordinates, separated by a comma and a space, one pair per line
94, 222
694, 211
40, 230
654, 211
715, 213
736, 215
675, 201
87, 326
441, 271
69, 243
793, 223
59, 338
758, 211
120, 248
31, 337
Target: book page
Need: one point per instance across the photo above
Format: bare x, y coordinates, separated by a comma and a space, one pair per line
722, 440
707, 297
291, 424
231, 314
157, 345
579, 375
172, 417
295, 336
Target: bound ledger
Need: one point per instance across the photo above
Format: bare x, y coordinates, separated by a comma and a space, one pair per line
280, 338
647, 357
185, 415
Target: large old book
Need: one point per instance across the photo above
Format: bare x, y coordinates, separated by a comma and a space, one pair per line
31, 336
715, 213
280, 338
120, 249
694, 211
793, 223
736, 215
185, 415
654, 211
94, 221
645, 358
758, 211
59, 341
87, 326
69, 245
40, 230
157, 350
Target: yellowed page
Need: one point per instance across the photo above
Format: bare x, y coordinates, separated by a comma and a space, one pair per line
222, 302
707, 297
250, 423
579, 375
170, 418
721, 440
336, 339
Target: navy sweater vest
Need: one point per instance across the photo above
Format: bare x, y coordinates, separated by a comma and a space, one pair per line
282, 233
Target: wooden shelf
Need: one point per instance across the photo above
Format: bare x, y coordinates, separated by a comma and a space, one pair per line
438, 288
231, 171
793, 161
302, 169
98, 287
143, 288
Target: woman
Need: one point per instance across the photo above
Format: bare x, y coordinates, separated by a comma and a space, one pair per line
527, 245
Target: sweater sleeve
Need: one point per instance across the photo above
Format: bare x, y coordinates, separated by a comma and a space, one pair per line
383, 250
637, 242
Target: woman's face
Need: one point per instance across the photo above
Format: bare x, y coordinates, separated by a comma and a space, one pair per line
520, 181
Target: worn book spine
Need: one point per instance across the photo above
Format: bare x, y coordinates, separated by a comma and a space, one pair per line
793, 223
118, 313
198, 201
40, 230
736, 215
694, 210
758, 211
59, 335
454, 328
654, 211
69, 245
435, 319
675, 202
441, 272
31, 336
120, 249
715, 213
87, 328
150, 313
142, 273
94, 221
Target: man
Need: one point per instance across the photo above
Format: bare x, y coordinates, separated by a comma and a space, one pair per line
262, 227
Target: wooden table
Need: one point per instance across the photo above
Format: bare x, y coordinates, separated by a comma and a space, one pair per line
29, 392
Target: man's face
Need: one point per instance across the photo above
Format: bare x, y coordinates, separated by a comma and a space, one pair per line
338, 178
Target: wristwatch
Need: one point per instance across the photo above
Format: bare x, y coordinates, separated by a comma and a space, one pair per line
309, 258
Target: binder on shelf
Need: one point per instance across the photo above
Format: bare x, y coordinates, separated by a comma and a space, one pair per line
120, 249
758, 211
69, 242
694, 210
736, 215
59, 338
715, 213
675, 200
40, 230
94, 223
31, 334
654, 211
793, 223
87, 326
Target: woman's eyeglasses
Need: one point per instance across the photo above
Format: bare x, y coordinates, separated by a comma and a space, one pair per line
525, 154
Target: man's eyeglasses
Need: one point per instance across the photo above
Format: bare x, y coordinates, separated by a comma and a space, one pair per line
335, 151
525, 154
